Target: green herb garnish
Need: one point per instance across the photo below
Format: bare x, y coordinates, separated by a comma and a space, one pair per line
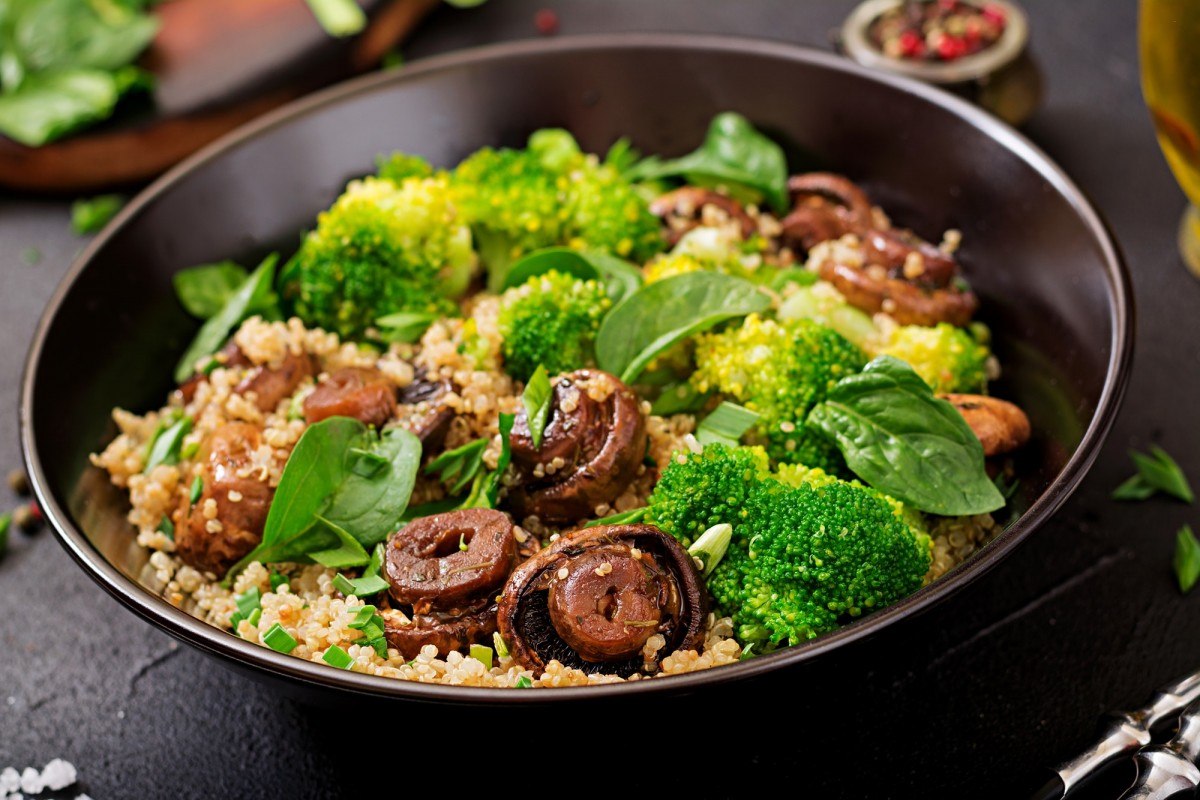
623, 518
536, 399
459, 465
404, 326
279, 640
523, 682
5, 525
657, 316
196, 489
89, 216
167, 528
500, 645
1156, 472
337, 657
277, 579
483, 653
726, 425
1187, 558
339, 18
902, 440
711, 546
165, 449
205, 289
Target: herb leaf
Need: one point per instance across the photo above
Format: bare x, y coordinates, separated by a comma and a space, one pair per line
254, 293
492, 489
536, 399
205, 289
404, 326
897, 437
1187, 559
460, 465
662, 313
1157, 472
733, 155
621, 518
338, 17
726, 424
326, 511
165, 447
89, 216
620, 278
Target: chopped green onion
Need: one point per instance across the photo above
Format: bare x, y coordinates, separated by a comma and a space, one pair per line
536, 398
460, 465
711, 546
90, 215
339, 18
481, 652
376, 562
236, 619
380, 645
165, 448
1155, 472
278, 639
210, 365
248, 601
255, 617
623, 518
501, 647
373, 630
404, 326
1187, 558
277, 580
5, 524
493, 488
462, 543
167, 528
337, 657
196, 490
362, 618
362, 587
189, 450
523, 682
727, 424
747, 652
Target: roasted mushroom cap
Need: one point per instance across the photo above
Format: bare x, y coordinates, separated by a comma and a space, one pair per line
682, 210
592, 445
239, 494
272, 384
906, 302
358, 392
447, 569
1000, 426
424, 411
594, 598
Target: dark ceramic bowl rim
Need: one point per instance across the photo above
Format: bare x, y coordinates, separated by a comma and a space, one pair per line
217, 642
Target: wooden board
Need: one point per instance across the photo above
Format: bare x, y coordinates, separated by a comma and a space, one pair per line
217, 63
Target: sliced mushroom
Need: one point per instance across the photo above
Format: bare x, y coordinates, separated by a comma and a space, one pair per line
424, 411
446, 569
1000, 425
594, 598
229, 356
270, 385
364, 394
681, 210
592, 444
240, 495
828, 206
907, 303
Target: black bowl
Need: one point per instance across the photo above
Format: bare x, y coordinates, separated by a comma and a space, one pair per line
1052, 283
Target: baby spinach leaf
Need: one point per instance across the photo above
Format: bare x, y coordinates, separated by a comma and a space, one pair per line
205, 289
902, 440
662, 313
49, 105
734, 155
326, 510
620, 278
254, 293
57, 34
536, 399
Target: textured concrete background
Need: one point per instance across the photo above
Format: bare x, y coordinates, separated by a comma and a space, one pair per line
970, 698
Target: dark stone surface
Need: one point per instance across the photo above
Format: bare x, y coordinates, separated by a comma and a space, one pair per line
967, 700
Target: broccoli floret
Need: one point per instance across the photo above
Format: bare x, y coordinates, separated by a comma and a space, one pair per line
381, 248
824, 304
949, 359
779, 370
552, 320
551, 194
397, 167
809, 550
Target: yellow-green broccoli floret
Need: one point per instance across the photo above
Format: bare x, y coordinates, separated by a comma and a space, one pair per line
779, 370
398, 167
670, 265
809, 551
552, 320
382, 247
949, 359
551, 194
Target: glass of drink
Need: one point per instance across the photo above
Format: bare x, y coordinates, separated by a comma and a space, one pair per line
1169, 32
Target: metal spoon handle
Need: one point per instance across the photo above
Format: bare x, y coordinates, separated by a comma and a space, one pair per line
1170, 769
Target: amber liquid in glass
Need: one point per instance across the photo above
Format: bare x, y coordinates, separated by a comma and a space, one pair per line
1170, 52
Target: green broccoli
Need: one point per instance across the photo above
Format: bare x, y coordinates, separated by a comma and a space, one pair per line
808, 551
824, 304
549, 194
779, 370
949, 359
382, 247
398, 167
552, 320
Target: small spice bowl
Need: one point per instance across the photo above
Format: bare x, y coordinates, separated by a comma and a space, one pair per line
998, 75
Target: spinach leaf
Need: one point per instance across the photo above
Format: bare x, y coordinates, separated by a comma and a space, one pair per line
325, 509
254, 293
49, 105
620, 278
901, 439
734, 155
536, 399
205, 289
56, 34
662, 313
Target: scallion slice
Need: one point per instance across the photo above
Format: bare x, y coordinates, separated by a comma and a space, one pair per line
278, 639
196, 490
726, 424
337, 657
523, 682
481, 652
